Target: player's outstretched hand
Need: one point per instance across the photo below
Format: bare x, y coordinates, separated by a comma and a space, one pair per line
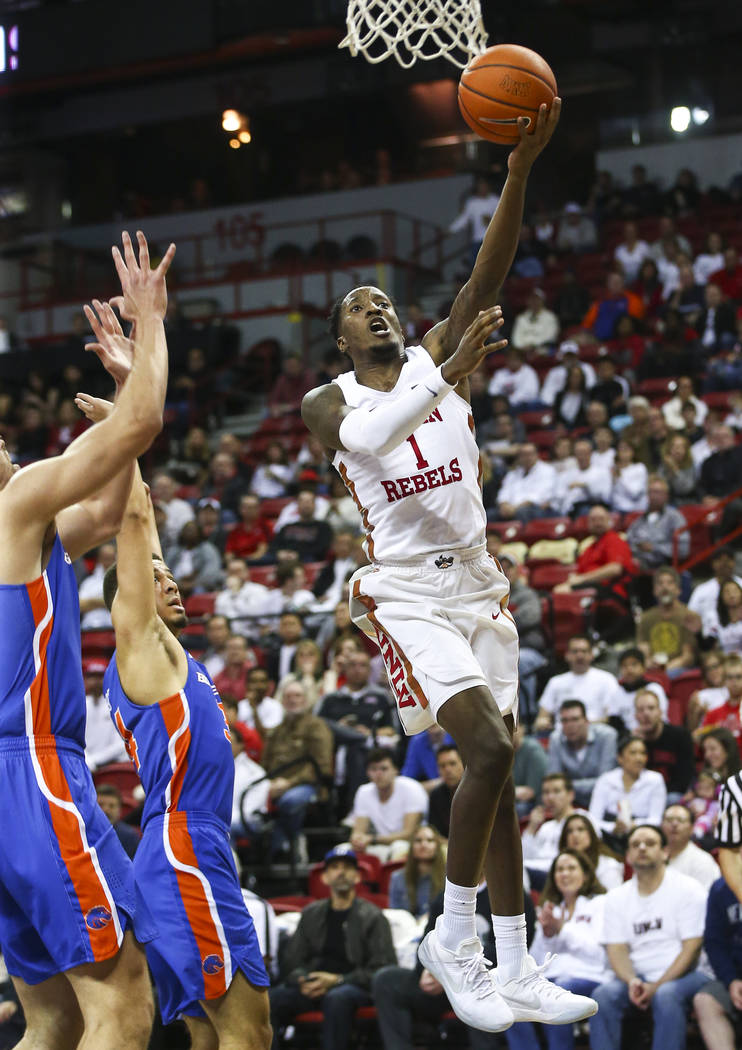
95, 408
144, 293
531, 144
114, 350
473, 347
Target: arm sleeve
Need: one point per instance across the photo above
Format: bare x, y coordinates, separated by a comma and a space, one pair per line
382, 428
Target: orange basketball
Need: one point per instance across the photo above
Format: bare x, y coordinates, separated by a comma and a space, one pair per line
503, 83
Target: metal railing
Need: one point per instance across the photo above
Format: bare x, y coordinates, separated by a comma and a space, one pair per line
708, 516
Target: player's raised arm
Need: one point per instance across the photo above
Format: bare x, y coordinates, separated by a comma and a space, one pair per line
500, 241
34, 496
382, 428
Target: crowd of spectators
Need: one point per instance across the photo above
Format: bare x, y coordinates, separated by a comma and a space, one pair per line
628, 726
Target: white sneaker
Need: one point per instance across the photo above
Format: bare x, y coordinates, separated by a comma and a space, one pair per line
533, 997
467, 981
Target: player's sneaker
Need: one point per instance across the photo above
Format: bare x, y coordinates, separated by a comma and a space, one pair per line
466, 977
533, 997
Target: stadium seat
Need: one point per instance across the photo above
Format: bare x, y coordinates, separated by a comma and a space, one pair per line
539, 420
700, 518
543, 439
544, 576
123, 776
546, 529
312, 569
508, 531
281, 905
564, 615
94, 643
199, 606
265, 574
681, 688
271, 508
656, 389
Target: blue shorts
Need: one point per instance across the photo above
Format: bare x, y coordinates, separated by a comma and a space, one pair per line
184, 865
67, 890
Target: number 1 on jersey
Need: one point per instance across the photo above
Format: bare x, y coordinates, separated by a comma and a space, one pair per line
421, 463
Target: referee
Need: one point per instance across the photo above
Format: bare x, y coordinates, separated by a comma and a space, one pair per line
729, 833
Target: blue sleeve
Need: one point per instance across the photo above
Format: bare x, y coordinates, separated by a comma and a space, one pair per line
717, 935
412, 764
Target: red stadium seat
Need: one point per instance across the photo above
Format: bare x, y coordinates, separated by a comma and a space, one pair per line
124, 776
265, 574
543, 439
508, 531
681, 688
199, 606
546, 529
564, 615
97, 642
544, 576
701, 518
271, 508
312, 569
540, 420
656, 389
284, 904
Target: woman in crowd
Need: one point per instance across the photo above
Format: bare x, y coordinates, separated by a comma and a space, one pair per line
423, 876
721, 753
308, 668
629, 481
630, 794
273, 476
648, 287
571, 401
726, 626
714, 692
570, 923
678, 469
579, 834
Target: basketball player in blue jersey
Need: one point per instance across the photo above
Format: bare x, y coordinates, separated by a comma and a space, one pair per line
68, 902
401, 434
206, 961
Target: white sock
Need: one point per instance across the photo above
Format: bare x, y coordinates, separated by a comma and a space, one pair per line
457, 922
510, 941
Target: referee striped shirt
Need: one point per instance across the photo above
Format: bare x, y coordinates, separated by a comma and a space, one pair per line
729, 826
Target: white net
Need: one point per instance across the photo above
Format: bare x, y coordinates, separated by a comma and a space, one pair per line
415, 29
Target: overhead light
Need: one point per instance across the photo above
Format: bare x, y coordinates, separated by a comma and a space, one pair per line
231, 120
680, 119
245, 136
235, 143
700, 115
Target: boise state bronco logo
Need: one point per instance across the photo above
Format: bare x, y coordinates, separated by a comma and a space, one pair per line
98, 918
213, 964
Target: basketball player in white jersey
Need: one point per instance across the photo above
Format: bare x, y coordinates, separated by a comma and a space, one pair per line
401, 432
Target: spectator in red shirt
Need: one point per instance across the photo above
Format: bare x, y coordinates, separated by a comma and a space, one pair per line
607, 565
239, 659
727, 714
250, 537
729, 279
288, 390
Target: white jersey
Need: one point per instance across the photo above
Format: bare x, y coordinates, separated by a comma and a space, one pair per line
424, 496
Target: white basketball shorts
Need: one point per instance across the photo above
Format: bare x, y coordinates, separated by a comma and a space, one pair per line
442, 625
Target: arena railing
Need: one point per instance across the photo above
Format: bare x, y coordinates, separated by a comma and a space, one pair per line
707, 517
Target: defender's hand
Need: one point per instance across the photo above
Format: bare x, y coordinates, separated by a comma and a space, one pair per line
522, 157
473, 347
114, 350
95, 408
144, 290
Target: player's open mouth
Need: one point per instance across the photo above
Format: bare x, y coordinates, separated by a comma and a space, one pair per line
379, 327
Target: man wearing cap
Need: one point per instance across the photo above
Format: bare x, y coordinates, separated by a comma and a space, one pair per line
332, 957
209, 518
103, 744
577, 231
568, 354
536, 326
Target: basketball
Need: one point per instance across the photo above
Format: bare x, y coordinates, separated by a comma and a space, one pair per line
503, 83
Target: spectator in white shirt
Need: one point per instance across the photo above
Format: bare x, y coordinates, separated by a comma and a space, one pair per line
667, 228
683, 855
177, 511
291, 594
672, 409
710, 260
241, 601
577, 490
713, 693
568, 354
710, 442
92, 607
705, 596
517, 381
251, 789
536, 326
527, 490
632, 252
653, 931
217, 635
541, 835
291, 513
102, 741
630, 480
631, 667
475, 216
258, 710
630, 794
597, 689
387, 811
577, 231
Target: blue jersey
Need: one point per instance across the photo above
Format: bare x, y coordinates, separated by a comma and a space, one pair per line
180, 746
41, 687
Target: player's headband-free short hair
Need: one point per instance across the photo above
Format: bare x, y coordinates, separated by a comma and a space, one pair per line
111, 582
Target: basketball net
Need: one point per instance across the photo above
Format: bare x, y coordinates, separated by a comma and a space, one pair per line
415, 29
